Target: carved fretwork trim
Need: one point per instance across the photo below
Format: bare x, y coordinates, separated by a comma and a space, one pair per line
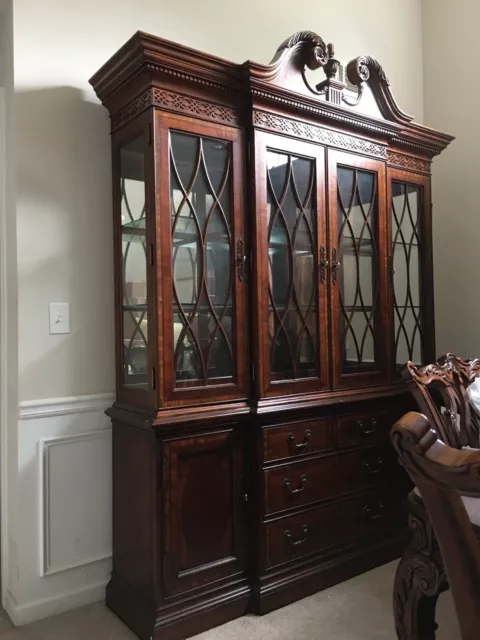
318, 134
175, 102
132, 109
328, 113
408, 162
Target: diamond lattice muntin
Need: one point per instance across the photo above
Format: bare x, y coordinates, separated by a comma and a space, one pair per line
202, 244
292, 257
358, 273
134, 263
407, 204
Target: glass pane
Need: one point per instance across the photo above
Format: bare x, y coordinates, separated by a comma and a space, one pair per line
134, 270
135, 357
406, 212
134, 262
292, 266
132, 183
358, 271
201, 217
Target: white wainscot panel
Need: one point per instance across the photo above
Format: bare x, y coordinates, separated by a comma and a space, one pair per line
77, 489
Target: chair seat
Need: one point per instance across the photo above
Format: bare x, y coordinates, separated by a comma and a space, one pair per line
472, 506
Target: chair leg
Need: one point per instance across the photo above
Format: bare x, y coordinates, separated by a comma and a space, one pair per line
419, 580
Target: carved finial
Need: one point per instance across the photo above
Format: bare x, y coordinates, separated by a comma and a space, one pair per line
332, 66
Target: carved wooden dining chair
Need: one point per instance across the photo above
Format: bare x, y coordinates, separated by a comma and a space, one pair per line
443, 476
443, 394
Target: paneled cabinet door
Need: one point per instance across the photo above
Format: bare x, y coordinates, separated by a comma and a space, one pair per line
201, 259
410, 268
204, 512
359, 311
291, 265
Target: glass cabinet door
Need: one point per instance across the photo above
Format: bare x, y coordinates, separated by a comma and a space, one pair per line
359, 318
207, 261
291, 215
132, 213
409, 268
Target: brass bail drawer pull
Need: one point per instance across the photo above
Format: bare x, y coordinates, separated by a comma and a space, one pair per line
297, 543
302, 445
374, 513
367, 429
375, 468
288, 485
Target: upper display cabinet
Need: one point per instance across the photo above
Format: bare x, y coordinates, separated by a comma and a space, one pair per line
272, 225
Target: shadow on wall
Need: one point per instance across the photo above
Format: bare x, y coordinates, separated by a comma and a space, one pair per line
64, 225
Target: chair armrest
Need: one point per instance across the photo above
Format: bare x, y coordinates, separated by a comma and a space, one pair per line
427, 458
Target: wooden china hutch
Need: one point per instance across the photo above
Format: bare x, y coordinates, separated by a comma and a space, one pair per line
273, 268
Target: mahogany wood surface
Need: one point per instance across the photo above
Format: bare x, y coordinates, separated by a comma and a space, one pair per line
212, 514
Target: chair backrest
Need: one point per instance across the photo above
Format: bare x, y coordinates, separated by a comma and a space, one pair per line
441, 391
442, 474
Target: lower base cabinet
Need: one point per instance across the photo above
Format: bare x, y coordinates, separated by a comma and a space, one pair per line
212, 521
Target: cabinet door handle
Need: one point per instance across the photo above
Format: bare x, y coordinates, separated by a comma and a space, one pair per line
323, 265
335, 266
366, 429
391, 268
241, 260
301, 487
375, 512
302, 445
373, 469
296, 543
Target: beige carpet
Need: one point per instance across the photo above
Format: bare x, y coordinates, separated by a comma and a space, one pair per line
359, 609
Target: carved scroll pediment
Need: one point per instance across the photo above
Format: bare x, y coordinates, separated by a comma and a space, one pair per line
306, 50
307, 46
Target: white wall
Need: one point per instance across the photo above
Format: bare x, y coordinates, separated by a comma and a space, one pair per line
65, 235
8, 302
451, 104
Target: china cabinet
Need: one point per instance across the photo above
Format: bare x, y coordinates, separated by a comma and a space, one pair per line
273, 269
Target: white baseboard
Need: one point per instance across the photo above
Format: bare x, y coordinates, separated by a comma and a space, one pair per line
39, 609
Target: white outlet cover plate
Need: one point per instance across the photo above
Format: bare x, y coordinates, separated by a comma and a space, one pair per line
59, 317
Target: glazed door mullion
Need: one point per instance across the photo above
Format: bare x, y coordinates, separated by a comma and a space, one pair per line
410, 269
291, 287
359, 312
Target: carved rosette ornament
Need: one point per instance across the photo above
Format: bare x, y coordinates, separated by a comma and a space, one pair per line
365, 68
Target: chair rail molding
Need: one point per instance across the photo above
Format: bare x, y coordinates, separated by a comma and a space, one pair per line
48, 407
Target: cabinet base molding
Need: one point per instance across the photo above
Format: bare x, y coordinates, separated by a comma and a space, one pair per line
278, 591
180, 620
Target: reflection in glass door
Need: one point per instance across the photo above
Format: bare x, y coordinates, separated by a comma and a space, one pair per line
134, 263
356, 268
292, 266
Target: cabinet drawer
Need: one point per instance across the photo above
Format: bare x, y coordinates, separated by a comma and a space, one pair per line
298, 438
365, 427
309, 481
369, 515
